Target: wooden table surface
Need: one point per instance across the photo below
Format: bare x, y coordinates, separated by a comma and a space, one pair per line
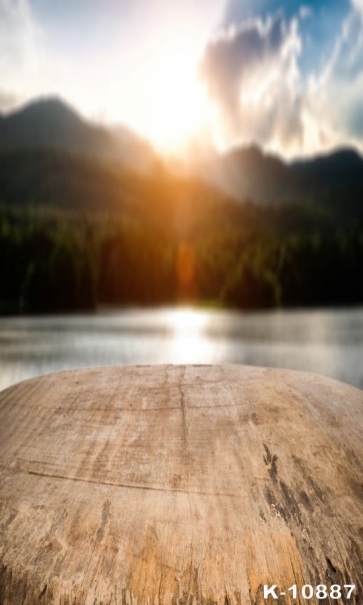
179, 485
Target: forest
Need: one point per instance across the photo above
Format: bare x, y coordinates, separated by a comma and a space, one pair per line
90, 235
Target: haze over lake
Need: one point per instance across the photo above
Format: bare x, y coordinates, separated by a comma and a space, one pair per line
319, 341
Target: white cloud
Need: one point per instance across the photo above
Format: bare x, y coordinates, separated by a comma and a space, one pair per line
347, 59
28, 66
252, 74
18, 47
261, 96
358, 4
18, 34
333, 99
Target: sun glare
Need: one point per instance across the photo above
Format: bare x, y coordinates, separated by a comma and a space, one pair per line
188, 320
177, 105
164, 100
190, 342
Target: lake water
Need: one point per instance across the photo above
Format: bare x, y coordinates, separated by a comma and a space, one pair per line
324, 342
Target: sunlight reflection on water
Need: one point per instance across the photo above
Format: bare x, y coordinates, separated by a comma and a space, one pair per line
325, 342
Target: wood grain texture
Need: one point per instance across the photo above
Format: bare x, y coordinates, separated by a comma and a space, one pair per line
178, 485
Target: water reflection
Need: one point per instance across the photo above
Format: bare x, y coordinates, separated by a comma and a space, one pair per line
325, 342
188, 341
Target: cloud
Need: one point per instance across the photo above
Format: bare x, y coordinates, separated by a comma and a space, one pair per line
252, 75
17, 34
264, 93
305, 12
231, 58
335, 96
347, 60
28, 66
358, 4
18, 48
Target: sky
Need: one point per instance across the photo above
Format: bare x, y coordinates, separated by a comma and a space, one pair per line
193, 74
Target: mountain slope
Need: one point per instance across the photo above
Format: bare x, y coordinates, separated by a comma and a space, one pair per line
52, 123
68, 180
247, 173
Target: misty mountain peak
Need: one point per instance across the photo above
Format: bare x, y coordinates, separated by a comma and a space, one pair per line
51, 122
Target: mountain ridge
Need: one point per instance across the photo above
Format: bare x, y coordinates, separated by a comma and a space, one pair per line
244, 173
247, 173
50, 122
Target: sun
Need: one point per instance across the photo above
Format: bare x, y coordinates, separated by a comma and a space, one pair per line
177, 106
165, 100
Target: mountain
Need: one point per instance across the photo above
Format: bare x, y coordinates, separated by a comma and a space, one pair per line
70, 180
52, 123
58, 179
249, 174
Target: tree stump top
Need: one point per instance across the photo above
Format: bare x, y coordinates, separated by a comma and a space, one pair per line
179, 485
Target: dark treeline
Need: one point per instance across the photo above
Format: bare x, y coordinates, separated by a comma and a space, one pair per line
77, 233
56, 260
